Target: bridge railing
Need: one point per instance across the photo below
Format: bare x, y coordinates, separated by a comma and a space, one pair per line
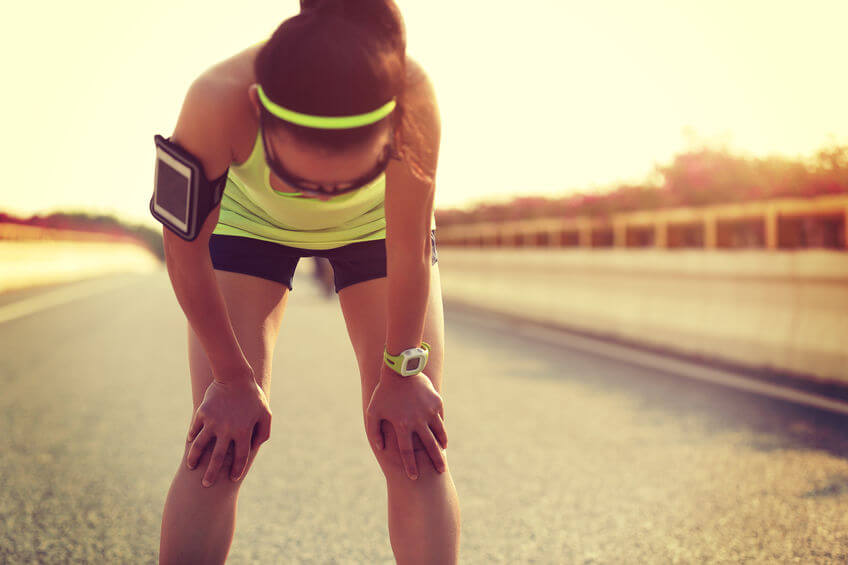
785, 223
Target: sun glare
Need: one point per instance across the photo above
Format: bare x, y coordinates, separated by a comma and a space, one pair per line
543, 97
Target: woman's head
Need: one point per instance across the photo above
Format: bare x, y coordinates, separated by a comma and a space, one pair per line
335, 58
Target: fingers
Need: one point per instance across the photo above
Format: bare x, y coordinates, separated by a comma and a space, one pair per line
437, 425
240, 461
198, 446
407, 453
372, 430
433, 450
261, 432
196, 424
221, 446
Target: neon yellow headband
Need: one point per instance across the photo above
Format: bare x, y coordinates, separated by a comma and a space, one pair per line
326, 122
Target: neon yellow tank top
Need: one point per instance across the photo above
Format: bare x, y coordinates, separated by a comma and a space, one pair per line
251, 208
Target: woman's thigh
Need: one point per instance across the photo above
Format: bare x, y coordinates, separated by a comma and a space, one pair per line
365, 310
255, 306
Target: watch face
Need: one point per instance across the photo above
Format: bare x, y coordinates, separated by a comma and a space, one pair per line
412, 364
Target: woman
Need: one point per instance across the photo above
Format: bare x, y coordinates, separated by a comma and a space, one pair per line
360, 195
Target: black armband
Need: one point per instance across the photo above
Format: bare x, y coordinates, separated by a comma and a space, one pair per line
182, 196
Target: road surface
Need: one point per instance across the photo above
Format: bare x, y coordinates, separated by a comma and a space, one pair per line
558, 456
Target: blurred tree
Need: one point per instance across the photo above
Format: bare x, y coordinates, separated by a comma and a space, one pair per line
698, 177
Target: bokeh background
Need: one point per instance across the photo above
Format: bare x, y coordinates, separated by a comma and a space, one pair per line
561, 96
665, 182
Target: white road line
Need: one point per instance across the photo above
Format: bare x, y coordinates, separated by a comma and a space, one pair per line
58, 296
667, 364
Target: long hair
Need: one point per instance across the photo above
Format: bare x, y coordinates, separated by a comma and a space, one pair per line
338, 58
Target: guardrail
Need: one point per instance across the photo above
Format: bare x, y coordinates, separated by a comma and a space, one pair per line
772, 311
785, 223
35, 255
25, 232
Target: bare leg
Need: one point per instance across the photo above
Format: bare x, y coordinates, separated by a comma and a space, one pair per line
198, 523
424, 514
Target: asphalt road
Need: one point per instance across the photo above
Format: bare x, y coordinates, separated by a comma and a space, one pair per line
558, 456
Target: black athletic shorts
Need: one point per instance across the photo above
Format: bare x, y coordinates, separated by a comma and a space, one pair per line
352, 263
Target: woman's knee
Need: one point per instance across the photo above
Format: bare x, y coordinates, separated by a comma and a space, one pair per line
222, 478
392, 464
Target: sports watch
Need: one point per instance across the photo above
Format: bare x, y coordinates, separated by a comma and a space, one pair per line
409, 361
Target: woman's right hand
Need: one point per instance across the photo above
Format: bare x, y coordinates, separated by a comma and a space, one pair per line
235, 411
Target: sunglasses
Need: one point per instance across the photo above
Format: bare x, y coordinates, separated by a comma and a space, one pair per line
317, 189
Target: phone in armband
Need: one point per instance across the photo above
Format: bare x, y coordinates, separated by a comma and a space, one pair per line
182, 195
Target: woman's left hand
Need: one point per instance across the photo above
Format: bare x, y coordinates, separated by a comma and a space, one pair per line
411, 405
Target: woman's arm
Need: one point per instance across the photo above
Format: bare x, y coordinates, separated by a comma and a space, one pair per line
410, 404
200, 131
409, 211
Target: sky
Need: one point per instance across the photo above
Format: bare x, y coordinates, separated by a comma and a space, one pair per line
544, 97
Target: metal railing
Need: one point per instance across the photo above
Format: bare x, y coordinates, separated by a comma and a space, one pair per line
785, 223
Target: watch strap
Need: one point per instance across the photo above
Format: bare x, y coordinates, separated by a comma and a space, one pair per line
395, 362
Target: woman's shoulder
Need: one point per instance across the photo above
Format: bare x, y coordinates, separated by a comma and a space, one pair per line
420, 95
225, 85
416, 76
235, 73
421, 127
